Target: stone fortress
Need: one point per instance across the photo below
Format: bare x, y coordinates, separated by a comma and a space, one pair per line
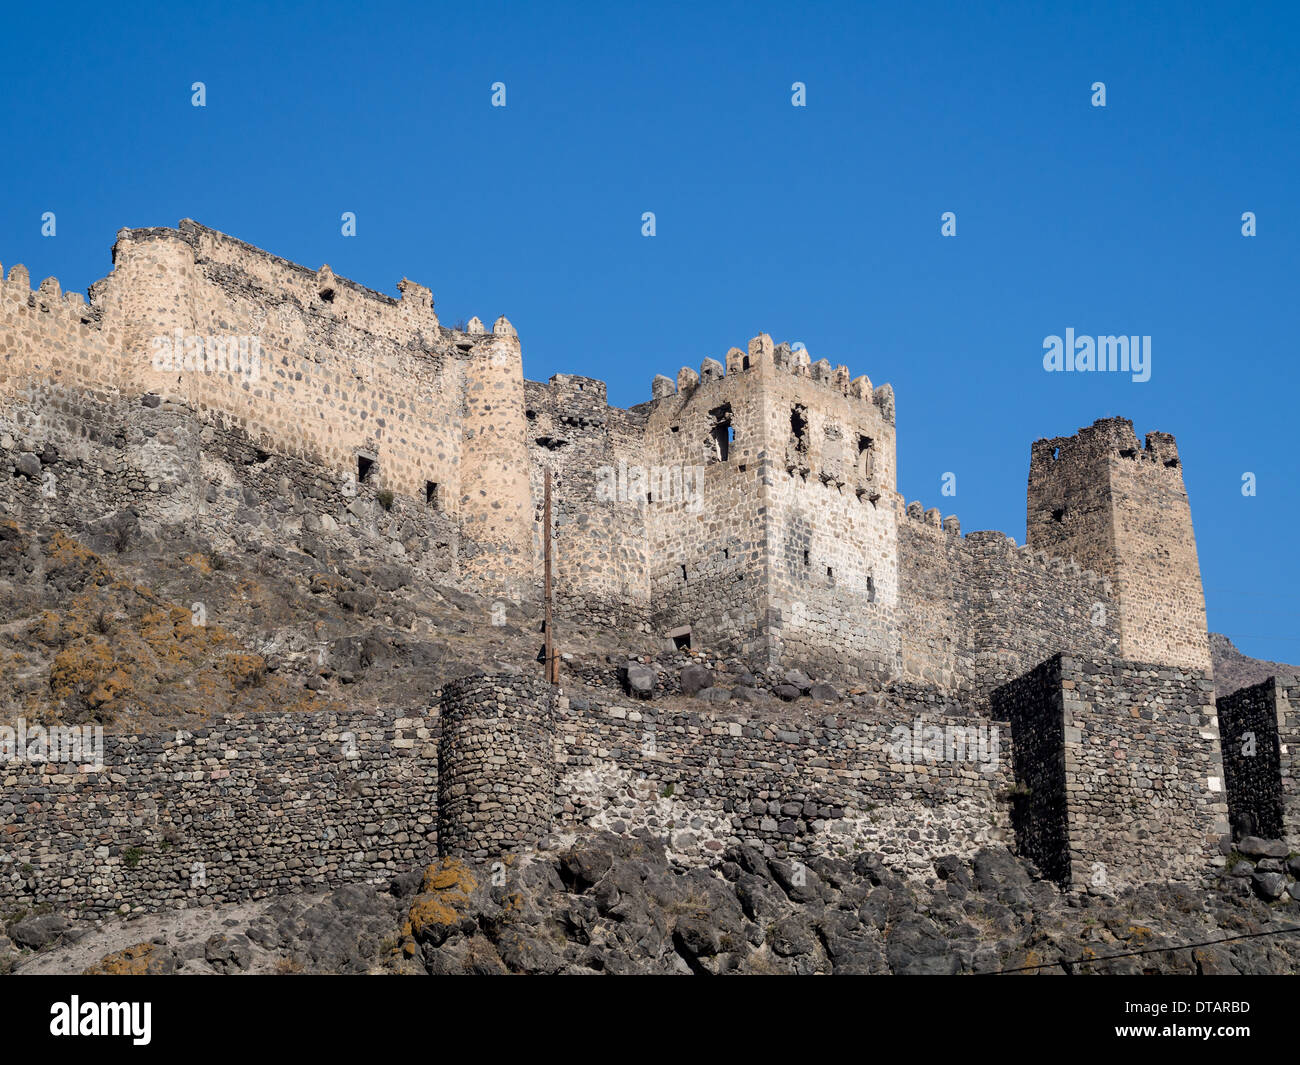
749, 508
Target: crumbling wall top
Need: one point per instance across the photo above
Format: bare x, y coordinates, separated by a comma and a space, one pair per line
1104, 439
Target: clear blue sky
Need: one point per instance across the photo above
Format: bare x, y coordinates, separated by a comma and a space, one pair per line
818, 224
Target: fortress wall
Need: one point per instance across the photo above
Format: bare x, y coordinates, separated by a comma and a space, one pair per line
1259, 730
1288, 725
247, 807
1027, 606
978, 611
354, 372
262, 804
935, 579
1159, 581
1035, 704
495, 515
79, 460
249, 493
359, 371
95, 461
1141, 791
793, 784
600, 557
1160, 806
790, 555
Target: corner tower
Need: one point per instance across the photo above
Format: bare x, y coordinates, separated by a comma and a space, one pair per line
1122, 510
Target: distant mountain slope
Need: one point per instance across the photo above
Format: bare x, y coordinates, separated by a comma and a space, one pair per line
1233, 670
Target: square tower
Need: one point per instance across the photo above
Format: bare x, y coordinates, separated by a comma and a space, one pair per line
1118, 770
1122, 511
790, 549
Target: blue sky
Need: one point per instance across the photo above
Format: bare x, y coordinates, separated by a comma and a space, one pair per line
818, 224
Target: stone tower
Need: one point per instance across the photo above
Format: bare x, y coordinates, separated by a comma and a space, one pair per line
495, 510
496, 763
789, 547
1122, 510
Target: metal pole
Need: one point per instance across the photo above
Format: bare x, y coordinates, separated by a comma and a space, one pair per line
552, 670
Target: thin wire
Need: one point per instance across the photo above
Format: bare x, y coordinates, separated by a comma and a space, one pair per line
1150, 950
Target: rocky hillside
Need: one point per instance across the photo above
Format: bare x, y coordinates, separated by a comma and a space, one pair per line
601, 903
139, 634
1234, 670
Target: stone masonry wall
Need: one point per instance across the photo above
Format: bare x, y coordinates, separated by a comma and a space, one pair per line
785, 541
1143, 782
345, 374
790, 551
792, 784
496, 763
1035, 706
247, 807
1259, 728
978, 611
832, 516
708, 547
600, 561
1144, 770
97, 460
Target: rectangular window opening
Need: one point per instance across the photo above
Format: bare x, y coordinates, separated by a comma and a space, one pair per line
799, 427
866, 457
722, 432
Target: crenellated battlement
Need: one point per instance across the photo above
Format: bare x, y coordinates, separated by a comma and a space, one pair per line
49, 297
409, 317
761, 356
930, 517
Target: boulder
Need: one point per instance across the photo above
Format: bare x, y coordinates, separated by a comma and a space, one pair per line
695, 678
29, 466
227, 953
1254, 847
1269, 885
640, 680
799, 680
38, 932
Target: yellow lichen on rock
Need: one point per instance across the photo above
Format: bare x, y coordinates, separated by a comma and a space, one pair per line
442, 902
136, 960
